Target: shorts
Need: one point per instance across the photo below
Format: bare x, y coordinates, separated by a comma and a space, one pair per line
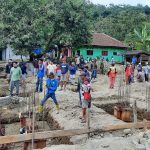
72, 76
85, 104
23, 76
64, 77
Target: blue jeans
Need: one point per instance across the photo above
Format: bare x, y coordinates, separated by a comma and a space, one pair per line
14, 84
94, 74
47, 96
39, 84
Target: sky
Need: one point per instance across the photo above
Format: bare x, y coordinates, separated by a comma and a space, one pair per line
131, 2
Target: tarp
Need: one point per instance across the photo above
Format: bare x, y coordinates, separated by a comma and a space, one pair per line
38, 51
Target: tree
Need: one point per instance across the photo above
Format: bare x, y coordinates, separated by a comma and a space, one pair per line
27, 25
140, 38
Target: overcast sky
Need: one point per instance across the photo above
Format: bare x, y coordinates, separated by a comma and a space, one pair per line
131, 2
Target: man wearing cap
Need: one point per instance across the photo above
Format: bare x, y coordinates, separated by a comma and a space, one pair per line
51, 85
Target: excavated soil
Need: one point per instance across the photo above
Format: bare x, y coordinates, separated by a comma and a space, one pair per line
109, 108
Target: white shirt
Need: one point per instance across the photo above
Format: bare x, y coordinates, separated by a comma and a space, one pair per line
51, 68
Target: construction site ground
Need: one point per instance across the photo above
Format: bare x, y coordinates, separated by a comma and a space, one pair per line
70, 111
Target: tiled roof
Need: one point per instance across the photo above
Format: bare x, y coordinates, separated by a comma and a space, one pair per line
101, 39
137, 52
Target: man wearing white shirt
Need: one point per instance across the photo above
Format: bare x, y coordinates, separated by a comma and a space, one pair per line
51, 68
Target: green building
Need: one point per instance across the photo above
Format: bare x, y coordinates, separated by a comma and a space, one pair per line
103, 46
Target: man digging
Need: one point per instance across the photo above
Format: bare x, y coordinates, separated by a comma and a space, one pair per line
51, 85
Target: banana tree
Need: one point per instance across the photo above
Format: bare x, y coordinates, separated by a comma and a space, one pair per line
143, 38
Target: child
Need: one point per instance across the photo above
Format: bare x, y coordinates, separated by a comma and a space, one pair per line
72, 69
51, 85
112, 76
86, 99
58, 73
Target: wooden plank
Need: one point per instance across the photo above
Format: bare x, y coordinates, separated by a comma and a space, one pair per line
42, 135
138, 125
62, 133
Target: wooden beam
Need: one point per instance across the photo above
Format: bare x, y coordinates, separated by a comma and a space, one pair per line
62, 133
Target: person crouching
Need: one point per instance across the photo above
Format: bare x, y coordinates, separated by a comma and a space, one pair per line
51, 85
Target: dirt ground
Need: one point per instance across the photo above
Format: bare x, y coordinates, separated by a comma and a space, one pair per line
68, 118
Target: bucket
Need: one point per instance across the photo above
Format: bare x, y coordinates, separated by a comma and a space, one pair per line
117, 112
126, 114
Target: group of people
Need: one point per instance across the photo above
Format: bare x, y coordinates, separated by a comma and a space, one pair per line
60, 74
143, 72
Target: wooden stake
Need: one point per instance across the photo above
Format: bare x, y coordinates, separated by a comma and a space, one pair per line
135, 111
88, 122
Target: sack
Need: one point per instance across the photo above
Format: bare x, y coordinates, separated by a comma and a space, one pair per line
87, 96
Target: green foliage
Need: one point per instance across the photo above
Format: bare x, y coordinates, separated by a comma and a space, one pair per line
140, 39
118, 20
26, 25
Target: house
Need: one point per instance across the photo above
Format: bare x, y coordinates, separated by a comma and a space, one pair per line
142, 56
6, 54
103, 46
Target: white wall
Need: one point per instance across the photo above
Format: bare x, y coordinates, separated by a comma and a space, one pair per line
8, 54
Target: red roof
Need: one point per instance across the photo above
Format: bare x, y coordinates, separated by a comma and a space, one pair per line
101, 39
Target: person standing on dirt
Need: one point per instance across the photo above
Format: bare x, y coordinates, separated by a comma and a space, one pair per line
58, 73
146, 72
51, 85
40, 75
36, 66
112, 76
128, 73
77, 60
8, 68
51, 67
72, 70
64, 74
82, 62
94, 71
85, 96
24, 71
15, 75
102, 67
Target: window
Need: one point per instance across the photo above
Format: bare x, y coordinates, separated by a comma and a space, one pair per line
89, 52
114, 53
104, 53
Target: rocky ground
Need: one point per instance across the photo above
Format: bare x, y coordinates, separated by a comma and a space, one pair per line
68, 118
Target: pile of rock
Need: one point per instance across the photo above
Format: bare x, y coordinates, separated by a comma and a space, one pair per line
142, 141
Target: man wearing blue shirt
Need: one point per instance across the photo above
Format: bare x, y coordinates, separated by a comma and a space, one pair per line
51, 85
64, 74
40, 75
72, 69
134, 60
